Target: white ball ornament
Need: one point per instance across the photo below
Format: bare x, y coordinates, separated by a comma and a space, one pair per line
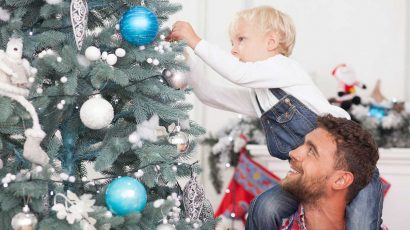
96, 113
120, 52
111, 59
108, 214
104, 55
63, 79
155, 62
54, 2
39, 90
92, 53
59, 59
31, 79
139, 173
71, 179
165, 227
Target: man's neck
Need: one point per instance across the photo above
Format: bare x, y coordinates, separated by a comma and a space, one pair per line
325, 214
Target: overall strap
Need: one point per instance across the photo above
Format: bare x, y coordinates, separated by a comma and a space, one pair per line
259, 104
278, 93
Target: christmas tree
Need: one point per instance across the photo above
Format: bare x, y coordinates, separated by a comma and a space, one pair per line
92, 81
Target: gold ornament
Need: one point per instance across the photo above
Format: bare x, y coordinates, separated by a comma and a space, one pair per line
24, 220
180, 139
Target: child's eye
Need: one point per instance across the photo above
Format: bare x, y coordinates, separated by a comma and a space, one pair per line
241, 39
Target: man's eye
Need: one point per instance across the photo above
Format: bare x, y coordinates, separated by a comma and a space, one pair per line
310, 149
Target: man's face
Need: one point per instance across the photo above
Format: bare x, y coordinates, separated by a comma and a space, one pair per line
312, 164
249, 43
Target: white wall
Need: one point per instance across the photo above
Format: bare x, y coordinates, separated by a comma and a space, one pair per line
369, 35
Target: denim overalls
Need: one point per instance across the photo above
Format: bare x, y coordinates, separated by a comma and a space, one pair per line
286, 124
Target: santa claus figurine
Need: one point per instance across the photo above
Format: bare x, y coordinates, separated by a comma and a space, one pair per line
346, 78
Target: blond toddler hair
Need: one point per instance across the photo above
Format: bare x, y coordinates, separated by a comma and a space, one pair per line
269, 20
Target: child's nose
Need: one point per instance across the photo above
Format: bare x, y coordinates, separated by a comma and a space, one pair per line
234, 52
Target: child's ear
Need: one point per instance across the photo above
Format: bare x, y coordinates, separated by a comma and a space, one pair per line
273, 41
343, 179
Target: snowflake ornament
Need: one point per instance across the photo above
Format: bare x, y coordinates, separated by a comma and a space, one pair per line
75, 209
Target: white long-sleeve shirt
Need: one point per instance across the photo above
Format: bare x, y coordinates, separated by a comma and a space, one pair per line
247, 79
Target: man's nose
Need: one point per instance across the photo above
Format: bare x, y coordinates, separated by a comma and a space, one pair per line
296, 154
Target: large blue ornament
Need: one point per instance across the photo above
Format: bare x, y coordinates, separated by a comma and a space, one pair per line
139, 26
125, 195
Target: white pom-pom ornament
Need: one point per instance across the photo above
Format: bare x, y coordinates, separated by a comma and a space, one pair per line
54, 2
104, 55
96, 113
120, 52
165, 227
92, 53
111, 59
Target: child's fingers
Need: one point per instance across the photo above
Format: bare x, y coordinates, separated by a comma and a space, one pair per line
173, 36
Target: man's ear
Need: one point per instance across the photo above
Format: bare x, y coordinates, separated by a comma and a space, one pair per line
343, 179
273, 41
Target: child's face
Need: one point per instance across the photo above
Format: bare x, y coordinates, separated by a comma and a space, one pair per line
249, 43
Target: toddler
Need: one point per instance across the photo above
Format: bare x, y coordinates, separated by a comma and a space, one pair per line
265, 82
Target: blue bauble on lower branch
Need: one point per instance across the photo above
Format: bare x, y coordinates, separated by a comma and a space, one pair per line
125, 195
139, 26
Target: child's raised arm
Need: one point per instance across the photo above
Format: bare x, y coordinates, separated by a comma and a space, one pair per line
219, 93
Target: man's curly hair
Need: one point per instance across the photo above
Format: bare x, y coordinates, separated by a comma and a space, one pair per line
356, 150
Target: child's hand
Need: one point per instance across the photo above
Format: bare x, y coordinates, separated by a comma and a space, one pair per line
184, 31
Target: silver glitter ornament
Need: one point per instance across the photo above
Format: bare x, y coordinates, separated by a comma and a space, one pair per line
180, 139
79, 20
24, 220
207, 212
193, 198
176, 80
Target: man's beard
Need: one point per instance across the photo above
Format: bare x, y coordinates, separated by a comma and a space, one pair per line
305, 191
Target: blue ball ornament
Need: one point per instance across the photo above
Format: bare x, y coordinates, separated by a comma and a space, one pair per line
139, 26
377, 111
125, 195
